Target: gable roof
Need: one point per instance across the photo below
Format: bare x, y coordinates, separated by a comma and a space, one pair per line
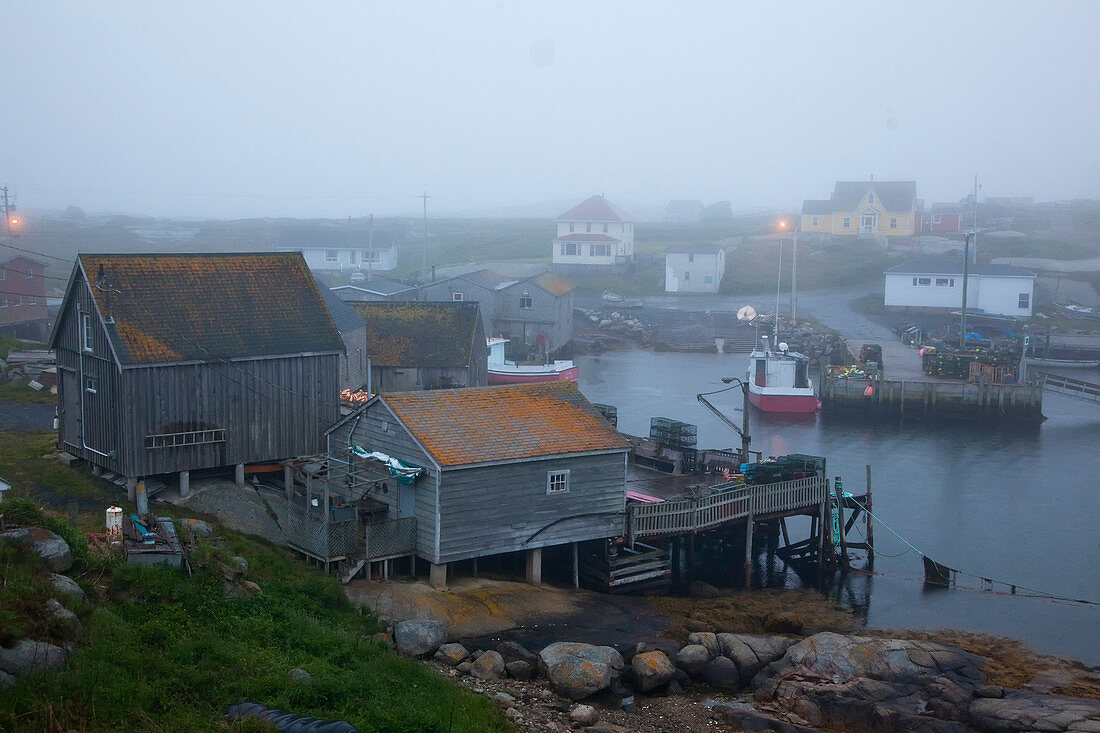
378, 285
314, 237
200, 307
696, 249
816, 206
551, 283
24, 258
954, 266
345, 318
587, 237
487, 278
459, 427
894, 195
420, 334
595, 208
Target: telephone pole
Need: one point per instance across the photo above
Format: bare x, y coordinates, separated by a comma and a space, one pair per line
9, 207
424, 246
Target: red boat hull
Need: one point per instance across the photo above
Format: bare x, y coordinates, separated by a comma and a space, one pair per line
571, 374
800, 404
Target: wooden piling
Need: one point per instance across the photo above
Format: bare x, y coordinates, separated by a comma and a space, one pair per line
838, 493
748, 551
870, 524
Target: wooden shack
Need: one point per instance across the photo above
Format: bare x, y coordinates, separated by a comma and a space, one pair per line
414, 346
177, 362
512, 468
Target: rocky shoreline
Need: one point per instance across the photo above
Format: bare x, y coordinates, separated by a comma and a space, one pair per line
748, 681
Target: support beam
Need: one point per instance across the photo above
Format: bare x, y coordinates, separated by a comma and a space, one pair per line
131, 488
534, 566
185, 484
748, 552
576, 568
870, 525
839, 494
437, 576
288, 481
142, 498
239, 476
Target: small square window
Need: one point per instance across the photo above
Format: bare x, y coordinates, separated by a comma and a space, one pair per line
1025, 300
18, 300
29, 274
526, 303
708, 279
332, 255
456, 297
847, 222
893, 222
3, 274
813, 221
937, 218
557, 482
32, 301
3, 302
687, 275
90, 385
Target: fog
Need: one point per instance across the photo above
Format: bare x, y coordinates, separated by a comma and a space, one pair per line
342, 109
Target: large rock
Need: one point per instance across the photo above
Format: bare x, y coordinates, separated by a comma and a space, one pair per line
49, 546
488, 666
708, 639
652, 670
722, 674
452, 654
65, 584
514, 652
520, 670
579, 670
1025, 712
419, 637
752, 652
67, 619
692, 658
28, 656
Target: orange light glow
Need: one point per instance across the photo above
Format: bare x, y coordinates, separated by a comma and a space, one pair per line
14, 221
782, 225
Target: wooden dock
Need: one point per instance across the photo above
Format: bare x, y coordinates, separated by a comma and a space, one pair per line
933, 399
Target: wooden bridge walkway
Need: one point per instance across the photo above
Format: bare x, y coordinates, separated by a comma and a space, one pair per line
1069, 387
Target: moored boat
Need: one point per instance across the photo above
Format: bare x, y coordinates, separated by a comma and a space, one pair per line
779, 381
502, 371
1064, 363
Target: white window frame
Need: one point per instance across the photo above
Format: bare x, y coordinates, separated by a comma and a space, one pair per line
1024, 300
571, 227
943, 282
846, 222
90, 385
456, 297
3, 302
332, 255
571, 249
18, 300
922, 281
605, 228
86, 332
893, 222
32, 300
813, 221
3, 273
557, 482
29, 274
599, 250
937, 218
588, 228
526, 302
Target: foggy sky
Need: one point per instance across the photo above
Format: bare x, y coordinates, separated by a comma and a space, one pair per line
333, 109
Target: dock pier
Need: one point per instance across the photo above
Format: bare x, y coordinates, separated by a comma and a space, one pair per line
933, 399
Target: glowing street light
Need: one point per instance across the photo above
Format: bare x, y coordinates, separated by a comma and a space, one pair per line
785, 226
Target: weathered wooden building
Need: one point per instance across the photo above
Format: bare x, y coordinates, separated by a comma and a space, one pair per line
177, 362
414, 346
353, 332
512, 468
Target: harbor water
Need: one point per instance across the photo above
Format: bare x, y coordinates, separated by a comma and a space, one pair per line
1012, 504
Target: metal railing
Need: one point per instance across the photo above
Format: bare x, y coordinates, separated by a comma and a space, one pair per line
692, 514
392, 538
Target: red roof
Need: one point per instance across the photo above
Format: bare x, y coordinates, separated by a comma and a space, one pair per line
582, 237
595, 208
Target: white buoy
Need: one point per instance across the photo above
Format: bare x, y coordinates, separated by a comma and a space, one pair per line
114, 521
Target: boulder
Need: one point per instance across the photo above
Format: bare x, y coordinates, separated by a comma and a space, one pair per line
419, 637
6, 680
53, 550
652, 670
584, 715
199, 527
514, 652
578, 670
692, 658
65, 584
465, 667
520, 670
751, 652
505, 700
300, 675
452, 654
708, 639
67, 619
489, 666
27, 657
722, 674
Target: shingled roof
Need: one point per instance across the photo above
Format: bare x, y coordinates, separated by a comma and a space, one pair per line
932, 265
551, 283
489, 424
417, 334
199, 307
595, 208
894, 195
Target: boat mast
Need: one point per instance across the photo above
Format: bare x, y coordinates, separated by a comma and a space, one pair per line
778, 282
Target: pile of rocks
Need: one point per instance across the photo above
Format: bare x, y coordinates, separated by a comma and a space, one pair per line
784, 683
28, 656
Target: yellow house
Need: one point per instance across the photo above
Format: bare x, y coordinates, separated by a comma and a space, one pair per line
866, 209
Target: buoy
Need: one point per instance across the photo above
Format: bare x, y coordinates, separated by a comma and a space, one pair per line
869, 391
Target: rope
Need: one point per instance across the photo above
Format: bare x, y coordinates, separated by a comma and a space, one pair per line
1035, 591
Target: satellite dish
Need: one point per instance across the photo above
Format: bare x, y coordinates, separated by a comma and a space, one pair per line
747, 313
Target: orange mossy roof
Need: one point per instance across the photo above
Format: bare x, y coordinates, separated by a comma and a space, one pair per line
184, 307
552, 283
415, 334
488, 424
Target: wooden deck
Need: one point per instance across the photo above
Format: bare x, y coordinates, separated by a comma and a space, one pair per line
725, 503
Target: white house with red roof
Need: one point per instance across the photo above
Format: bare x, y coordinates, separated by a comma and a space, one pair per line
593, 234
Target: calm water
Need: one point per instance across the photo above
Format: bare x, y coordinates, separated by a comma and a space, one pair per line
1017, 505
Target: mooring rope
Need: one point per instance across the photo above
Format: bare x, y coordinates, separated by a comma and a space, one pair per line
1037, 593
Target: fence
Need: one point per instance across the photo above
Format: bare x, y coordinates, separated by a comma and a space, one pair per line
309, 533
692, 514
392, 538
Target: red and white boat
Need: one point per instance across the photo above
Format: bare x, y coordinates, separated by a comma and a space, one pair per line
502, 371
779, 381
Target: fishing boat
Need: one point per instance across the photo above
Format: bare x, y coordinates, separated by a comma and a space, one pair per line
502, 371
1064, 363
614, 299
779, 381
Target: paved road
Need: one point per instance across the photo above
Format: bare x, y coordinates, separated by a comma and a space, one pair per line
26, 416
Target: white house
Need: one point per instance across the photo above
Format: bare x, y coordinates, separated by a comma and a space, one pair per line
694, 268
936, 283
593, 234
343, 250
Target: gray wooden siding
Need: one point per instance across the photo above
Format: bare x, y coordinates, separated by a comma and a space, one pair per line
443, 292
549, 313
494, 509
396, 441
353, 363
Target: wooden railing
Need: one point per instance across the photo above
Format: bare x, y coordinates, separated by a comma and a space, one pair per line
392, 538
692, 514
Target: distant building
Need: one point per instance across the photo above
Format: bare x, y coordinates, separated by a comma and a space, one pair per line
865, 209
343, 250
413, 346
682, 210
694, 268
178, 362
353, 332
23, 298
936, 283
376, 288
940, 218
593, 236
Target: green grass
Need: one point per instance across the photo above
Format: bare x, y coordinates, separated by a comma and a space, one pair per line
752, 268
7, 343
20, 392
22, 463
165, 651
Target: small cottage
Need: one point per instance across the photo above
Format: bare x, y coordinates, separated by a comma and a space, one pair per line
414, 346
23, 298
169, 363
936, 284
506, 469
697, 268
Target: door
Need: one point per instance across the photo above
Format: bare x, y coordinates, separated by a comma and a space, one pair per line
868, 223
69, 406
406, 501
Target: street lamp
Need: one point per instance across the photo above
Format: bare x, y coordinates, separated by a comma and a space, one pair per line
966, 279
789, 226
743, 430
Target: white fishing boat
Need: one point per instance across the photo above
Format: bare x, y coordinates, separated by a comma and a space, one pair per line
502, 371
779, 381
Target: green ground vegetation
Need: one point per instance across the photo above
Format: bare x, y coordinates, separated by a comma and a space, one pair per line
164, 650
19, 391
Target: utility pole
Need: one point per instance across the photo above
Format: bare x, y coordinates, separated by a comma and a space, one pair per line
424, 246
966, 278
975, 228
370, 248
8, 208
